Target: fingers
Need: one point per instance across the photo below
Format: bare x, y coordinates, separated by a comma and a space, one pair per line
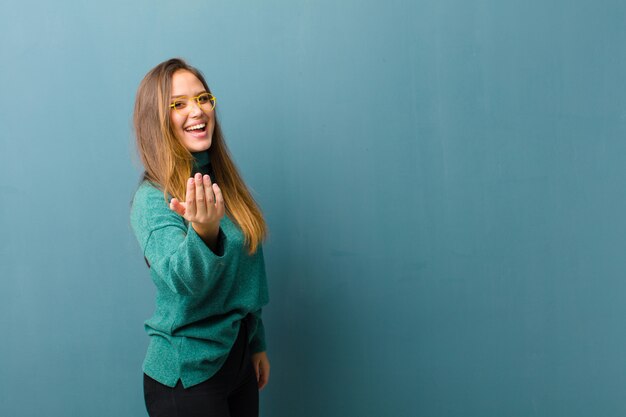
208, 191
190, 198
200, 195
177, 206
261, 366
219, 201
265, 373
255, 365
204, 201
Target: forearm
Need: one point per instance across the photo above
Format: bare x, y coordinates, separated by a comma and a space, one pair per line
209, 235
184, 261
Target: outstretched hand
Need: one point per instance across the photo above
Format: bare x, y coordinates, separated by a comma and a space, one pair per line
203, 206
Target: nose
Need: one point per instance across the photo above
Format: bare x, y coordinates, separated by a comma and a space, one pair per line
194, 108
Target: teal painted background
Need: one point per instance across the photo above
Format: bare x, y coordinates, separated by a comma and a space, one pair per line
443, 181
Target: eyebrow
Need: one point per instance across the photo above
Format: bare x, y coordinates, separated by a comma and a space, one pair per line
197, 94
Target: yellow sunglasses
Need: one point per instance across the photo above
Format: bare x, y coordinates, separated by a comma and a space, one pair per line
204, 100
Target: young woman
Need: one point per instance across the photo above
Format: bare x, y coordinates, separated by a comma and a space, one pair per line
200, 231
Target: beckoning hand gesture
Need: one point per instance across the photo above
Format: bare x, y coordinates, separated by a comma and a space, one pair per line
203, 208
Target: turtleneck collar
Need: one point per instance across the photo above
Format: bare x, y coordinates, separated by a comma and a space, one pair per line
202, 163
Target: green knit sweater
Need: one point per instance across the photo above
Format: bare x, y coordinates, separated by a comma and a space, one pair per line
201, 295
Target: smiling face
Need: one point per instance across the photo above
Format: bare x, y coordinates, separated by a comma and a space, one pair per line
194, 124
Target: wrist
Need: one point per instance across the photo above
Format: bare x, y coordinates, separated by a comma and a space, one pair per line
208, 233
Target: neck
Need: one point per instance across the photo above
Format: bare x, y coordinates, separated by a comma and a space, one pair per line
202, 163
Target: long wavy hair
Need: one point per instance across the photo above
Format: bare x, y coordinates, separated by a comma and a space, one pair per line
168, 163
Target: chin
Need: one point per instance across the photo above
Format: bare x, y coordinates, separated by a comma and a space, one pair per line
196, 145
201, 148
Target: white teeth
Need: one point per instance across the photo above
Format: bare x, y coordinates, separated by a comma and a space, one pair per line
196, 127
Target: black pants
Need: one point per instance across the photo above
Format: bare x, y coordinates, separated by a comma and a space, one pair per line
231, 392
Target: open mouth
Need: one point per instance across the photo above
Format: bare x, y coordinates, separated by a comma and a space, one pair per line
199, 128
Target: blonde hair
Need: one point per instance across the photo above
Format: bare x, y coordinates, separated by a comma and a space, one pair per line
168, 163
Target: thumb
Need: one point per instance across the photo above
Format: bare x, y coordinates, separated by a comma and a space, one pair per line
178, 207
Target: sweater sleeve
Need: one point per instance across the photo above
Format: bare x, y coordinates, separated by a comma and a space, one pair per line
257, 338
176, 253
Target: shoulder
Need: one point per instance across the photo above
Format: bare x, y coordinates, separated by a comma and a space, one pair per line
147, 194
146, 188
149, 205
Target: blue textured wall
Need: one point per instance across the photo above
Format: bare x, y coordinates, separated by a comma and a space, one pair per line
443, 181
